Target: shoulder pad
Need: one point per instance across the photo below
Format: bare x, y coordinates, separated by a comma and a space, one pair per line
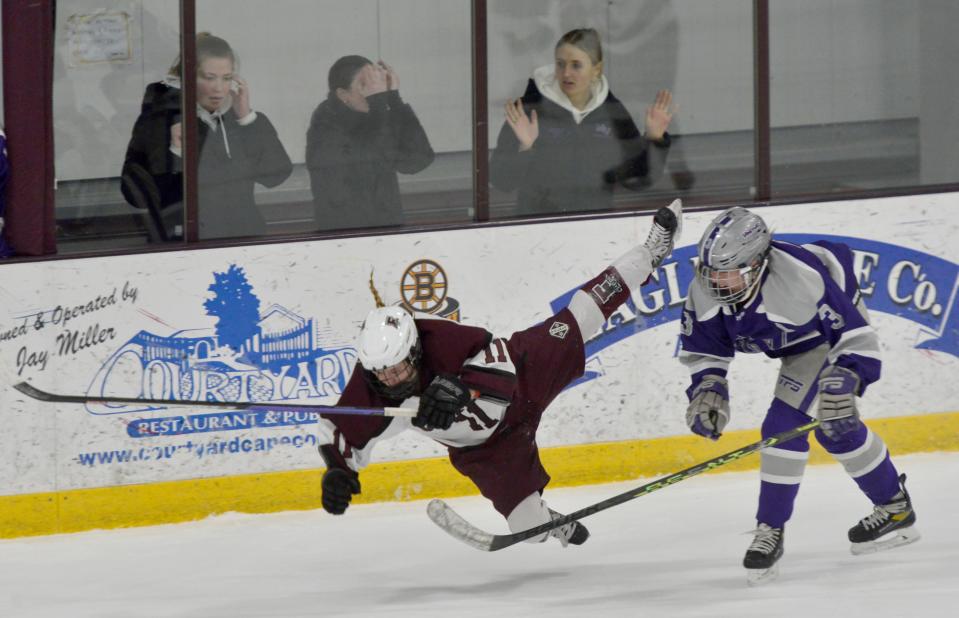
792, 289
830, 261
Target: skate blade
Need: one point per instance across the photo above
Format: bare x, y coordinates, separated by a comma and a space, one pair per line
758, 577
897, 538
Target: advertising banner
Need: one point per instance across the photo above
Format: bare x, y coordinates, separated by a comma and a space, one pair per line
276, 323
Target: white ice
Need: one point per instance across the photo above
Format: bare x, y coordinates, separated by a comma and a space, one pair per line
676, 552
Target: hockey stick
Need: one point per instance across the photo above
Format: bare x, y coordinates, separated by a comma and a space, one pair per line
457, 527
41, 395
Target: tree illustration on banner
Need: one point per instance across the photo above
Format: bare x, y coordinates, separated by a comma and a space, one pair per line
236, 308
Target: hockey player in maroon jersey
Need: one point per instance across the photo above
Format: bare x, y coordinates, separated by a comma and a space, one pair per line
481, 396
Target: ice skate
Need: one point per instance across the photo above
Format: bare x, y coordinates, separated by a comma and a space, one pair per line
572, 533
889, 525
763, 555
667, 225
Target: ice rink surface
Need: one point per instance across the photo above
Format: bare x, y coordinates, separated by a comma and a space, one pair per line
676, 552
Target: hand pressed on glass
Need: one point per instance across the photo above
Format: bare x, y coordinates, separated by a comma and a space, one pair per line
525, 127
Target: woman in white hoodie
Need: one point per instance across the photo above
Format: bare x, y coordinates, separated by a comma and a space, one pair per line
569, 140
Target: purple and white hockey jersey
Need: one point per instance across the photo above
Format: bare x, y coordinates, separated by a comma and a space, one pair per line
808, 296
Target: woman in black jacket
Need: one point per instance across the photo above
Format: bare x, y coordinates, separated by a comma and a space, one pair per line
359, 138
578, 140
238, 148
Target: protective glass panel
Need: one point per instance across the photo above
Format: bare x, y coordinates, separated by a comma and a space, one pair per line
114, 177
587, 150
860, 94
333, 115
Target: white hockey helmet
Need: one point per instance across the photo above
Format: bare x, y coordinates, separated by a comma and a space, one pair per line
387, 338
733, 255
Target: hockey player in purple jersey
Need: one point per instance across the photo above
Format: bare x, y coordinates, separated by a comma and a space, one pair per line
480, 396
800, 304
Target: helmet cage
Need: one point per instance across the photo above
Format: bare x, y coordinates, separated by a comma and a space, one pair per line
388, 344
716, 282
404, 389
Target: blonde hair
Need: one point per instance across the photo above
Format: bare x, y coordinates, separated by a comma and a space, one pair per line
585, 39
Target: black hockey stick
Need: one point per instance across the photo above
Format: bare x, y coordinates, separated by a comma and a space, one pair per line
450, 521
262, 406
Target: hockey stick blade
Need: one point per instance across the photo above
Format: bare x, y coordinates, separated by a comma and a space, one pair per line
456, 526
263, 406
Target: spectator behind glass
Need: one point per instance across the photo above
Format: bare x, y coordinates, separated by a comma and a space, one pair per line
359, 138
238, 147
578, 141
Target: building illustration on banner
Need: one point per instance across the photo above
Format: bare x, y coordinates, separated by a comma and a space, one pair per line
249, 355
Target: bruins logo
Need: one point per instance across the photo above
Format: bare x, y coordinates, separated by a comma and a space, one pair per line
424, 287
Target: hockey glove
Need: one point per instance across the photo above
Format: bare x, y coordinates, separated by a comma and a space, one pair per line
339, 485
440, 402
339, 481
837, 401
708, 411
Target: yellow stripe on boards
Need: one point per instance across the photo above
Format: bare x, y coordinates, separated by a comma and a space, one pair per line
177, 501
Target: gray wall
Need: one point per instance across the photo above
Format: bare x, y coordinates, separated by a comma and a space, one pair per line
939, 119
843, 60
828, 65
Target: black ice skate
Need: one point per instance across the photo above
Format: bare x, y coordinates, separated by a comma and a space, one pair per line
889, 525
667, 225
574, 532
762, 556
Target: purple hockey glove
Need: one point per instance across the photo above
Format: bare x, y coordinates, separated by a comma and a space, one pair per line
708, 410
837, 401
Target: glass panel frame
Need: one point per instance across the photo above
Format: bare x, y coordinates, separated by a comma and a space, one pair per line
933, 170
648, 47
404, 159
104, 55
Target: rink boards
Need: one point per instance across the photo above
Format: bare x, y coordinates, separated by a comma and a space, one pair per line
275, 322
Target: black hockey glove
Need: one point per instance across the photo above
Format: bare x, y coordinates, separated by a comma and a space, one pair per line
339, 485
443, 398
339, 481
